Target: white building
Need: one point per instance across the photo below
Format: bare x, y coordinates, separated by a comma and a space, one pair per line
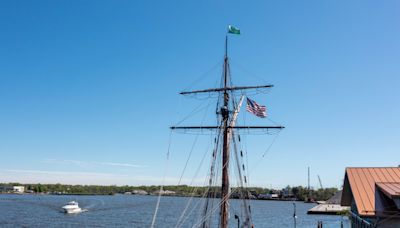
18, 189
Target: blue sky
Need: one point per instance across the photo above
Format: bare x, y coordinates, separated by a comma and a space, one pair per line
88, 89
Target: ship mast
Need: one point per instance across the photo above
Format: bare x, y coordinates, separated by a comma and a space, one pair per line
225, 113
225, 149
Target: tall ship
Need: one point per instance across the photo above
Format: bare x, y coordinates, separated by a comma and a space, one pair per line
216, 207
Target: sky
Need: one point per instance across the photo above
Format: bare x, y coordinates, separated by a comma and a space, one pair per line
88, 89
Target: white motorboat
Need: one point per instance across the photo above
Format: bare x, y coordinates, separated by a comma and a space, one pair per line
72, 207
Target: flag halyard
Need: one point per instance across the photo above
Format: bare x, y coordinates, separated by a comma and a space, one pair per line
256, 109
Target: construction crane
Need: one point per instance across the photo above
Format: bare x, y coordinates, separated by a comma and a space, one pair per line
320, 182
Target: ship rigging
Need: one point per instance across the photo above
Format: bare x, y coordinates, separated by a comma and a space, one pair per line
226, 139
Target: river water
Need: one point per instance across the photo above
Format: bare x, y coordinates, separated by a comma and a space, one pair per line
137, 211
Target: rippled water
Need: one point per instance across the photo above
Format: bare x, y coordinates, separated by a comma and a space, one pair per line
137, 211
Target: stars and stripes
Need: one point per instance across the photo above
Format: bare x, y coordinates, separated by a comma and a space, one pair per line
256, 109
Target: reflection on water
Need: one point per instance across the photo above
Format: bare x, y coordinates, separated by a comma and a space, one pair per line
137, 211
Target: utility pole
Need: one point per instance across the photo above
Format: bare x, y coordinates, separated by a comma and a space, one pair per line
308, 187
308, 178
320, 182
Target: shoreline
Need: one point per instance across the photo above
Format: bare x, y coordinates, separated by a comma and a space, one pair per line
119, 194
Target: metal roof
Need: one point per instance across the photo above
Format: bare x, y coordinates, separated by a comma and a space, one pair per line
392, 190
360, 183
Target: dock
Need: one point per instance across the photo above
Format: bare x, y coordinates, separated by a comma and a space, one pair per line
330, 207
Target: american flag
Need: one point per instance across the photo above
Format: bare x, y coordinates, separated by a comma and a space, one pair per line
256, 109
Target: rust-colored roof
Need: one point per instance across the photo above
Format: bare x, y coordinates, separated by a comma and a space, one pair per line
392, 190
361, 182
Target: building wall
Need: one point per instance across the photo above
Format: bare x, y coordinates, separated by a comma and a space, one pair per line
19, 189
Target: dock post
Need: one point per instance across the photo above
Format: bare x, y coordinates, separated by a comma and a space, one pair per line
294, 215
237, 217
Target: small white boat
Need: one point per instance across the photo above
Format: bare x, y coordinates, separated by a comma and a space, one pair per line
72, 207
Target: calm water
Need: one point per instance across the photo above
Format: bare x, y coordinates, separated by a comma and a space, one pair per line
137, 211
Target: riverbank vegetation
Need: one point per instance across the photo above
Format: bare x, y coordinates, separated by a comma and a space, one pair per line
288, 193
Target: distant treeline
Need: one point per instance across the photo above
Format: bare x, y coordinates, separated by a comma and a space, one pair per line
302, 193
298, 192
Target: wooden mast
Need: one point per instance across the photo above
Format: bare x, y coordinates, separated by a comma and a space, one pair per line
225, 150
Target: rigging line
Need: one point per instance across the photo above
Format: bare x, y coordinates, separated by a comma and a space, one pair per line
197, 109
272, 143
194, 189
187, 160
211, 195
239, 66
180, 222
163, 181
237, 159
206, 192
266, 151
213, 209
241, 158
201, 77
272, 121
246, 149
213, 172
229, 73
195, 207
193, 145
240, 175
223, 200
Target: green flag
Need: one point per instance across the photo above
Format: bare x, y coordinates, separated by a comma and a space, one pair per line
233, 30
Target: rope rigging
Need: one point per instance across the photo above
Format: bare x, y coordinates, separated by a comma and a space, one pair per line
163, 182
182, 219
242, 187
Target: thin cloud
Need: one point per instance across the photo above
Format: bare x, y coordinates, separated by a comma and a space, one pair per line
87, 178
119, 164
91, 163
27, 171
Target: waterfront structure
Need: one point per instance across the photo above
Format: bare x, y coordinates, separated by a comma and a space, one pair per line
6, 189
164, 192
373, 195
330, 207
18, 189
140, 192
268, 196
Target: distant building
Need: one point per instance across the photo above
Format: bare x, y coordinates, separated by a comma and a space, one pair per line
287, 193
373, 195
6, 189
18, 189
164, 192
269, 196
139, 192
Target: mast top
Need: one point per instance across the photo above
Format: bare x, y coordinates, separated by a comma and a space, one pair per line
226, 46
